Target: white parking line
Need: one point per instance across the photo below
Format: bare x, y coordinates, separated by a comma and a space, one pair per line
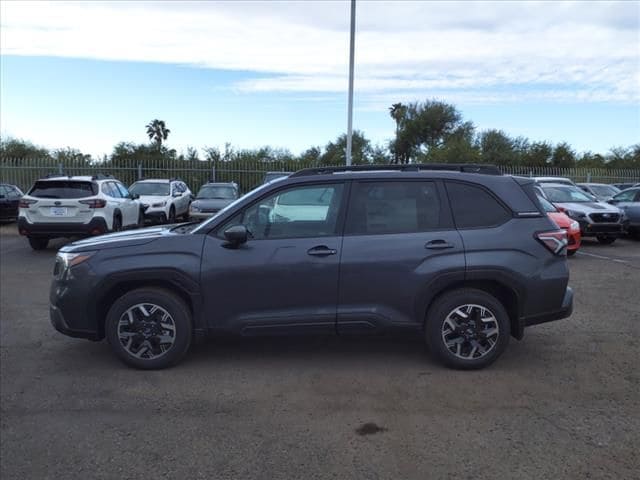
604, 257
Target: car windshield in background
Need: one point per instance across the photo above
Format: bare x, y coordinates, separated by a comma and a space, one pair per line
150, 189
216, 192
604, 190
546, 205
63, 189
566, 194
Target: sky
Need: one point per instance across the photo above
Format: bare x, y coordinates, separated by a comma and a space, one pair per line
91, 74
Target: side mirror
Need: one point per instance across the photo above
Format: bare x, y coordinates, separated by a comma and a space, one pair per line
236, 235
134, 196
177, 194
612, 201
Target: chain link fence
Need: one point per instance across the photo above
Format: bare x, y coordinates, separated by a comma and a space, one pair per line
25, 171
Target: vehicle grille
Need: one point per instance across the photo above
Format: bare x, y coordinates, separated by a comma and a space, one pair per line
605, 217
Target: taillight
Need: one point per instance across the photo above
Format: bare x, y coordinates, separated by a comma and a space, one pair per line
95, 203
25, 203
555, 240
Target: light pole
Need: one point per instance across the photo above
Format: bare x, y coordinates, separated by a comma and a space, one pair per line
350, 101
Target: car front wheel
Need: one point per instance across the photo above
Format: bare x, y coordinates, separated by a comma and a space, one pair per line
38, 243
149, 328
606, 240
467, 329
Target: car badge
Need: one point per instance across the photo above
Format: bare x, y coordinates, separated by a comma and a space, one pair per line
57, 203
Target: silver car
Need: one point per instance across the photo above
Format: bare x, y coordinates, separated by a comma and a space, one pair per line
213, 197
596, 219
629, 202
601, 191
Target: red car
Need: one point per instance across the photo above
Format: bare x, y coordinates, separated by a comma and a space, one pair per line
566, 223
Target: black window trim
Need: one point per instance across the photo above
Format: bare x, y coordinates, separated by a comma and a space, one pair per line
216, 230
511, 213
447, 214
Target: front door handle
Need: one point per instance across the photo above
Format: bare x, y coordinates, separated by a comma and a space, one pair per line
438, 244
321, 251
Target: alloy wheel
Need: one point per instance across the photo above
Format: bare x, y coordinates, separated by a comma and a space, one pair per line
146, 331
470, 331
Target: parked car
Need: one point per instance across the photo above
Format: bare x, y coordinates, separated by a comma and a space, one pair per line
629, 202
465, 260
269, 176
624, 186
66, 206
9, 200
565, 222
554, 180
601, 191
213, 197
163, 200
596, 219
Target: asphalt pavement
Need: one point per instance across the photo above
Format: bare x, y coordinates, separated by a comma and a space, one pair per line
562, 403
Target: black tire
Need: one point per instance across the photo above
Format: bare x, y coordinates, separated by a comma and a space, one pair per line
38, 243
172, 215
173, 305
444, 306
140, 219
605, 239
186, 216
116, 225
571, 253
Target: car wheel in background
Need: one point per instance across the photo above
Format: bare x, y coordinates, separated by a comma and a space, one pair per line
38, 243
571, 253
140, 219
116, 225
605, 239
172, 215
467, 329
149, 328
185, 217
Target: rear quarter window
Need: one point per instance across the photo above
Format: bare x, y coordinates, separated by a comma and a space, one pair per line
474, 207
63, 189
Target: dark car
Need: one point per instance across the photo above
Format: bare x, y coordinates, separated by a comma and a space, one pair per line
629, 202
465, 260
213, 197
9, 201
624, 186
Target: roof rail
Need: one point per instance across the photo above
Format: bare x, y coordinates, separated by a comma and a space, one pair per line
56, 175
101, 176
409, 167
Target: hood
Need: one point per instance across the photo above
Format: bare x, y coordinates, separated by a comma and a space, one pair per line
588, 207
149, 199
211, 204
561, 219
120, 239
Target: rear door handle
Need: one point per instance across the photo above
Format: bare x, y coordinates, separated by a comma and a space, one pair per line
321, 251
438, 244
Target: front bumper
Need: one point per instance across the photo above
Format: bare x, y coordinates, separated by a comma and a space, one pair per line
565, 310
59, 323
97, 226
589, 229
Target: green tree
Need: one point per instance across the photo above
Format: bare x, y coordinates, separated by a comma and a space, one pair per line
335, 152
15, 149
398, 112
157, 132
497, 148
538, 154
563, 156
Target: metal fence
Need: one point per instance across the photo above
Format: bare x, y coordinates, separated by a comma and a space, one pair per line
248, 174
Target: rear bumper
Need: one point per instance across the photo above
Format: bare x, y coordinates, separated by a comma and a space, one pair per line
97, 226
565, 310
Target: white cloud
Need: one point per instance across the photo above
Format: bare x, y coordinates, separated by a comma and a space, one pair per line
562, 51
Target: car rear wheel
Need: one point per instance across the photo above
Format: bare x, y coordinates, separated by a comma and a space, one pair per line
172, 215
606, 240
571, 253
149, 328
185, 217
116, 226
38, 243
467, 329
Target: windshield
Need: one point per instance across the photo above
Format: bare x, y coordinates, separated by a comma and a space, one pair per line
211, 192
604, 190
63, 189
150, 188
204, 225
566, 194
546, 205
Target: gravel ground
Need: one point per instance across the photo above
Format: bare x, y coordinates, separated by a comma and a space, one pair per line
562, 403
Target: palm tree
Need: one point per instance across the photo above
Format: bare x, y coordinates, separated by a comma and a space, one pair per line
397, 112
157, 132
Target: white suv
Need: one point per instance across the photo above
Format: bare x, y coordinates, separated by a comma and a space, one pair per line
163, 200
65, 206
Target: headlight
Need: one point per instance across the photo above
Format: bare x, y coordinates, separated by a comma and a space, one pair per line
160, 204
574, 226
574, 214
68, 260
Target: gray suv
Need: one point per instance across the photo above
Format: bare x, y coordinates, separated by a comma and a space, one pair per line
458, 254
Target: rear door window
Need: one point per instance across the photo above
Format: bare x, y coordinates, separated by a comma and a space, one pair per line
474, 207
63, 189
378, 208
